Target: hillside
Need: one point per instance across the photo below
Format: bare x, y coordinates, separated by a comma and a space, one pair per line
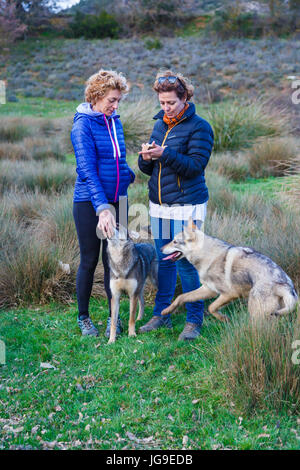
219, 69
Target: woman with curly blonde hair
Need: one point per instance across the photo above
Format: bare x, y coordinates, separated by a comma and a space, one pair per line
103, 177
181, 144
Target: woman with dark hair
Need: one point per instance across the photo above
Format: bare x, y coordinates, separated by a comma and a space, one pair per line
181, 145
103, 177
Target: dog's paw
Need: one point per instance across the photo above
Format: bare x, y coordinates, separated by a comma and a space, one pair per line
224, 318
132, 335
167, 310
111, 341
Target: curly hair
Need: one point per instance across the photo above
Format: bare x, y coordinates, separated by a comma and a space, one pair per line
101, 82
182, 86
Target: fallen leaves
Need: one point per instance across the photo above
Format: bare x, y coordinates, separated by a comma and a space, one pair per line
47, 365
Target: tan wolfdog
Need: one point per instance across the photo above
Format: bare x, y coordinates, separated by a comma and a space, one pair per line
230, 272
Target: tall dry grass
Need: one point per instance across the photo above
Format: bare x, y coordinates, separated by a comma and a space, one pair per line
256, 363
31, 248
238, 125
137, 121
232, 165
272, 157
250, 219
47, 175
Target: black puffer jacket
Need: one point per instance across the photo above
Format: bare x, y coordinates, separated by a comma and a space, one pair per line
177, 177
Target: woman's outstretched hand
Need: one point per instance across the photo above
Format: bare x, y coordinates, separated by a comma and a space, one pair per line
106, 223
151, 152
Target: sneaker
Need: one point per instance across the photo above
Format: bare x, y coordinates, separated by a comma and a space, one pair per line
156, 322
190, 331
87, 327
119, 327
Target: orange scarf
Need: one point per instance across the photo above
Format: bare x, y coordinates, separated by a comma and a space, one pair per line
171, 121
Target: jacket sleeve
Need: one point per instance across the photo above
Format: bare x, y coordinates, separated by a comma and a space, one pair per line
199, 149
86, 159
145, 166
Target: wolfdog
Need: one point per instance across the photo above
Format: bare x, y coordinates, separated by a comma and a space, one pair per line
130, 265
230, 272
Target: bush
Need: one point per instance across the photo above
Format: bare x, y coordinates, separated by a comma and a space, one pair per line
252, 220
255, 364
137, 122
153, 44
235, 23
94, 26
36, 234
47, 176
235, 167
13, 130
238, 125
271, 157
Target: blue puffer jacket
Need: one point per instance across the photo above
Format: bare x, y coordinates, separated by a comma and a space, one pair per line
177, 177
99, 146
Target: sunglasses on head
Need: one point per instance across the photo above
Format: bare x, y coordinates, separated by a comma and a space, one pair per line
171, 79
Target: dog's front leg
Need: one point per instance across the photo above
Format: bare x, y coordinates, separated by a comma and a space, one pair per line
198, 294
133, 306
115, 303
174, 305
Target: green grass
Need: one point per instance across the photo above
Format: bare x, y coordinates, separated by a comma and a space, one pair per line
269, 187
152, 386
38, 107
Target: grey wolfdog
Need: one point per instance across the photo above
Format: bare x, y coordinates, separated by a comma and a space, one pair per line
130, 265
230, 272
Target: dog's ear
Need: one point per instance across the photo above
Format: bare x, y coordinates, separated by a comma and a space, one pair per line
190, 229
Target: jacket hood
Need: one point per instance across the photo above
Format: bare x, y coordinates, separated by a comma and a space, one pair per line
86, 109
189, 112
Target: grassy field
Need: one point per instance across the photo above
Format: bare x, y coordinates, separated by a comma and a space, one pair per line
38, 107
233, 388
143, 393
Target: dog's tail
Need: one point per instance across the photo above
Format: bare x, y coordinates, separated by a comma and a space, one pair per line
289, 298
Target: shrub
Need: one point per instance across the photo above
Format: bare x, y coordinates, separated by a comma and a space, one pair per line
153, 44
32, 148
36, 234
13, 130
235, 167
24, 206
94, 26
255, 364
237, 125
47, 176
271, 157
137, 122
235, 23
250, 219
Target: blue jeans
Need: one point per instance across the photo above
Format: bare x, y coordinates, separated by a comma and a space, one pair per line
163, 231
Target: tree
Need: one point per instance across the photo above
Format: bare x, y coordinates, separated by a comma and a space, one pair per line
34, 13
11, 27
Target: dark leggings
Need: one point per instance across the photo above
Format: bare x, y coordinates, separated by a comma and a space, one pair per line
86, 222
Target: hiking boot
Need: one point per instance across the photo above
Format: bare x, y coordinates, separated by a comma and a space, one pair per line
87, 327
118, 330
190, 331
156, 322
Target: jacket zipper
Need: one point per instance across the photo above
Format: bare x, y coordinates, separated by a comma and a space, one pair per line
159, 173
116, 157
